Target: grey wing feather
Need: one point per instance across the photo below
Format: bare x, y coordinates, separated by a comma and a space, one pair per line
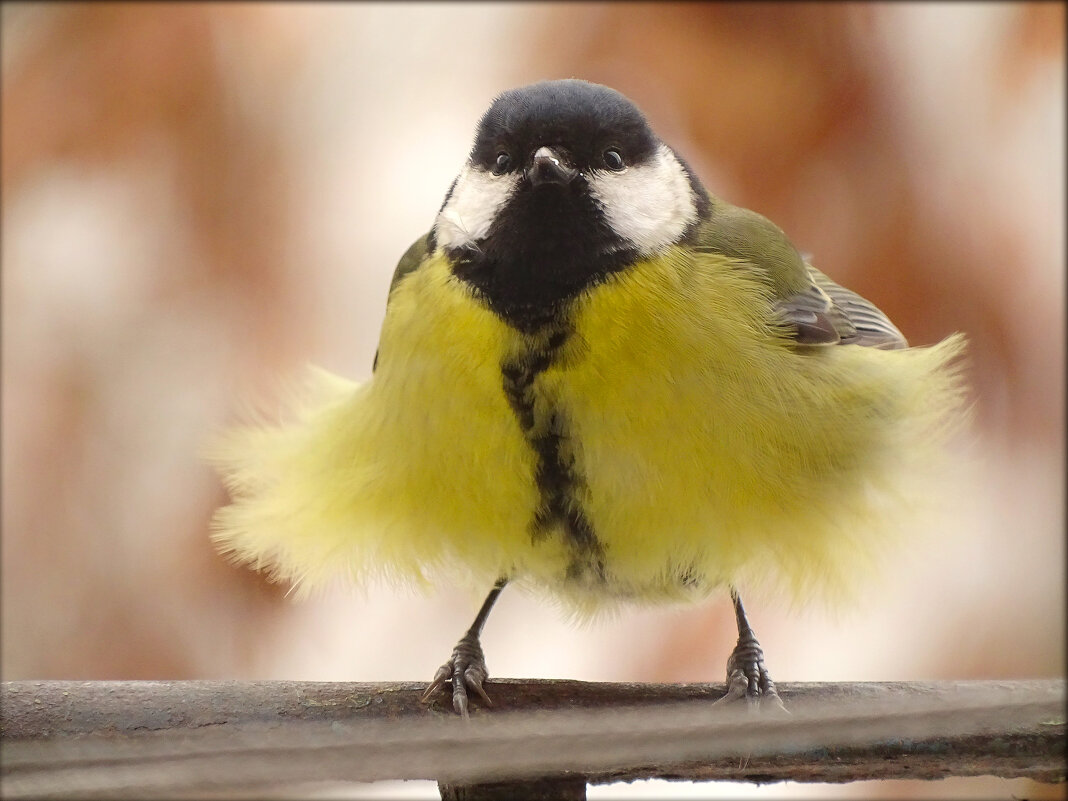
815, 309
803, 305
870, 327
814, 319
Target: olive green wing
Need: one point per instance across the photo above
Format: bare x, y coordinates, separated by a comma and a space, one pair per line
815, 309
413, 257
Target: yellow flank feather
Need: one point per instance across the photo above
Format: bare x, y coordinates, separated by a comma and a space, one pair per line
708, 448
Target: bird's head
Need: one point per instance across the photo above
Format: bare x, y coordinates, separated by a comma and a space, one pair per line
566, 182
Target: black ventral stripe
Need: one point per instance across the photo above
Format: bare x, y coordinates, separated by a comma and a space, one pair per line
546, 432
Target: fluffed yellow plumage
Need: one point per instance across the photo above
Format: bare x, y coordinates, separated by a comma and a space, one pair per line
711, 449
598, 380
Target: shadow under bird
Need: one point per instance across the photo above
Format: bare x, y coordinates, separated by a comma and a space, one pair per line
598, 381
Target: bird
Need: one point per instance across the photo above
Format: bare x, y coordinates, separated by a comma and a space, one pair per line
599, 382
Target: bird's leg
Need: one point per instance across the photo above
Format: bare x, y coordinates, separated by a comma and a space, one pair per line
466, 668
746, 675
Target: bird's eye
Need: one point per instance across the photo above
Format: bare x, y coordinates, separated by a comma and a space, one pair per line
613, 160
503, 162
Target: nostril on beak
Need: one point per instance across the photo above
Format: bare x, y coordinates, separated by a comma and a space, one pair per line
548, 168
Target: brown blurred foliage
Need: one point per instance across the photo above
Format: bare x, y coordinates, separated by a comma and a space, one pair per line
136, 88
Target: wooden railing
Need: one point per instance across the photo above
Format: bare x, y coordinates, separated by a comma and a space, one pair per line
542, 739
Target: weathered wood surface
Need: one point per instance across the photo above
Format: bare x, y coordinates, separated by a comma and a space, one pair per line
174, 739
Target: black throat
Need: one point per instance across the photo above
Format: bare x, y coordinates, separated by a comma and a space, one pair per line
547, 245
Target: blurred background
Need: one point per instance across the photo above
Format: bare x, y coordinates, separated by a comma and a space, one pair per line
199, 199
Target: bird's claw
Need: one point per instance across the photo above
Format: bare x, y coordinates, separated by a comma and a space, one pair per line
748, 678
466, 671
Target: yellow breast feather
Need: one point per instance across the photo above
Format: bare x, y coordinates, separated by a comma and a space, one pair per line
701, 446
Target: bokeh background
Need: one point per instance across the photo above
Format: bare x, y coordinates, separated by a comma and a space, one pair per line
199, 199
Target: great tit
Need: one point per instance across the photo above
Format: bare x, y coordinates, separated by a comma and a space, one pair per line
597, 380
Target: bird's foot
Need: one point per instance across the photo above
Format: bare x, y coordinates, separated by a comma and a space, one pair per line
465, 671
748, 678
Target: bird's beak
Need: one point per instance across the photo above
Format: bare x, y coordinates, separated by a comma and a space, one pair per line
547, 167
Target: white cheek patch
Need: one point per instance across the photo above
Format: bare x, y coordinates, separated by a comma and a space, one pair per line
649, 205
472, 207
